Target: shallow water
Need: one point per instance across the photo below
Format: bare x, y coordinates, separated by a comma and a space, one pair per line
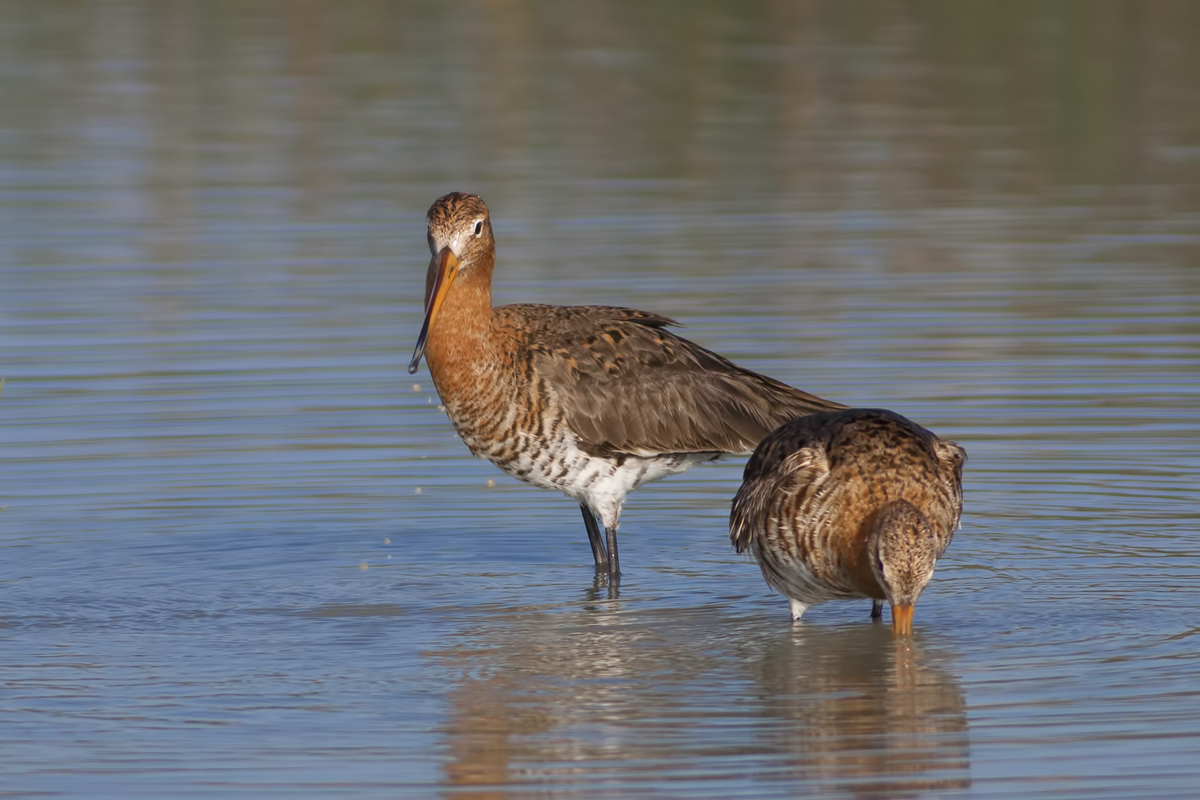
242, 550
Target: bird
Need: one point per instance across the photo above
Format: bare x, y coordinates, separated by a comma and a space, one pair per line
852, 503
591, 401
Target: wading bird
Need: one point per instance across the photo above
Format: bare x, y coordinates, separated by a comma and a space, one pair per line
592, 401
853, 503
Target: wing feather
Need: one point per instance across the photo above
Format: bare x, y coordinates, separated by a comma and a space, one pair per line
629, 386
771, 474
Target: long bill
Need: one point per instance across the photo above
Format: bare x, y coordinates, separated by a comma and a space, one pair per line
443, 267
902, 616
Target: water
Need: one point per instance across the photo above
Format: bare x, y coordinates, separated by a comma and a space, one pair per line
243, 551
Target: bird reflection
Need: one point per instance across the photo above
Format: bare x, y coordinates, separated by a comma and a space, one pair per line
869, 714
600, 694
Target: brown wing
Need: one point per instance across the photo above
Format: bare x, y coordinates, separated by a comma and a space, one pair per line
628, 386
774, 471
951, 456
869, 455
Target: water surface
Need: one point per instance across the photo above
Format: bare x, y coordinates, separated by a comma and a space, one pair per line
244, 552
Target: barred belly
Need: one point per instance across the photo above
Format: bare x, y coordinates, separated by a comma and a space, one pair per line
551, 458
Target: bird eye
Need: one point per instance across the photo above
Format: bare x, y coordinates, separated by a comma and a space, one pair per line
478, 227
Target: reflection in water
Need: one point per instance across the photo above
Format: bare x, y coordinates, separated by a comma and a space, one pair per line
542, 698
865, 710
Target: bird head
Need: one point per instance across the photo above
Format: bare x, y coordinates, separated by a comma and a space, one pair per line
904, 554
460, 240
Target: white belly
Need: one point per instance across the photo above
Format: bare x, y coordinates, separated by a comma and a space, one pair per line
599, 482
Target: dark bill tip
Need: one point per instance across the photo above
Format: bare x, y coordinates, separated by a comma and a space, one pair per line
419, 351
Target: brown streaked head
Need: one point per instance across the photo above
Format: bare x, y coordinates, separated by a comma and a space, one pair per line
460, 238
904, 552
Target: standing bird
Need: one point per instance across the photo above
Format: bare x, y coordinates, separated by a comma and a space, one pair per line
592, 401
853, 503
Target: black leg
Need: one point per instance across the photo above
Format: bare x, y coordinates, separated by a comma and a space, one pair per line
876, 609
598, 551
614, 562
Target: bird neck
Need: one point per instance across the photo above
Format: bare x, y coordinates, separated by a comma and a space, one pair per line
462, 336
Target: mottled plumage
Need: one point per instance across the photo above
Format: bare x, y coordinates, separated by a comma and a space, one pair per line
592, 401
852, 503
